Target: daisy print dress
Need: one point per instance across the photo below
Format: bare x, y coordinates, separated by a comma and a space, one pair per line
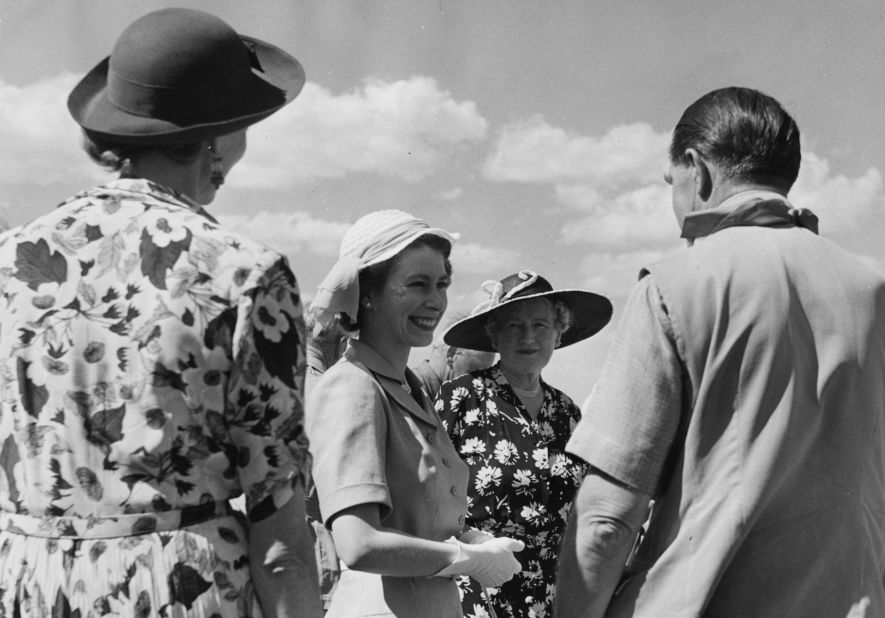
522, 483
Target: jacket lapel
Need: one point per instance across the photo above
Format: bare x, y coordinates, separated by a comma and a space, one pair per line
392, 385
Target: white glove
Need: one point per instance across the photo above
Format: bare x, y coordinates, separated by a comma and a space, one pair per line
490, 563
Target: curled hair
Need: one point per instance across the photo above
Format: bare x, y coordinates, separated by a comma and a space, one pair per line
746, 133
373, 278
562, 317
118, 157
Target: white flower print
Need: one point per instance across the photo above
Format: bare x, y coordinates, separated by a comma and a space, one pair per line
560, 465
108, 374
535, 484
522, 481
473, 446
471, 416
533, 513
271, 321
540, 457
537, 609
487, 477
163, 230
457, 395
532, 570
505, 452
478, 612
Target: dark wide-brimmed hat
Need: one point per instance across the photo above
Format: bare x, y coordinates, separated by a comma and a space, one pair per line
589, 311
179, 75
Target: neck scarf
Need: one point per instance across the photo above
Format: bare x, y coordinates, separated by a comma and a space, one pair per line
756, 208
374, 238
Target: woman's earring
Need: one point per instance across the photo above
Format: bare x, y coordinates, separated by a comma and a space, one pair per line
127, 170
367, 303
216, 176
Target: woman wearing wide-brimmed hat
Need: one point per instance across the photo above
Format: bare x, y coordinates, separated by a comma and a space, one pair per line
151, 361
391, 487
511, 428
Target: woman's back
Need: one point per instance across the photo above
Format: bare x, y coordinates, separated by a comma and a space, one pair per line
135, 399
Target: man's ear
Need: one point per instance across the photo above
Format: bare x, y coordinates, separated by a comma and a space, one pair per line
702, 174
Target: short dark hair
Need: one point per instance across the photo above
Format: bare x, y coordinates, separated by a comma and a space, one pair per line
115, 157
373, 278
745, 132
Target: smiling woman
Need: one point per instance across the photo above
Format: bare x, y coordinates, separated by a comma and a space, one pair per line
511, 427
380, 451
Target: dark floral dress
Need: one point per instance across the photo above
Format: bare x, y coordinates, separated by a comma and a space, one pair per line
151, 369
522, 482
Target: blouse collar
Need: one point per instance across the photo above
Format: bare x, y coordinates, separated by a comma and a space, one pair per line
162, 193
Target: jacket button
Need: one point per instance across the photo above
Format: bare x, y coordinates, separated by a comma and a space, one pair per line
431, 438
461, 520
445, 462
454, 491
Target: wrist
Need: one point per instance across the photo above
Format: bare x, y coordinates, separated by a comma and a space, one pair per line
453, 556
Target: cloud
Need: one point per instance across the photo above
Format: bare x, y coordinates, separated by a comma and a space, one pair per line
641, 217
636, 219
41, 142
843, 204
450, 195
615, 274
473, 258
532, 150
615, 180
406, 129
289, 232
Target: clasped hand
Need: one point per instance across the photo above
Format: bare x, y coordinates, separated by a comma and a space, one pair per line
486, 559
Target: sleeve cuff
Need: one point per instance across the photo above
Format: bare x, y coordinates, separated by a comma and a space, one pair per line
348, 496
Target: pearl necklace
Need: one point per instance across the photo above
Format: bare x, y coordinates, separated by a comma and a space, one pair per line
533, 392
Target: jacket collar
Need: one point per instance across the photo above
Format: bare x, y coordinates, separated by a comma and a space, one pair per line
393, 385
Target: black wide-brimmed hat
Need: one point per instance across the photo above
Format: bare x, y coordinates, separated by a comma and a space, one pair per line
179, 75
589, 311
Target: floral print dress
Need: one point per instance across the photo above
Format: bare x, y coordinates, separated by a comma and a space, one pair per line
522, 482
151, 369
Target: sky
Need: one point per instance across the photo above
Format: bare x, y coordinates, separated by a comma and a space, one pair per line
537, 130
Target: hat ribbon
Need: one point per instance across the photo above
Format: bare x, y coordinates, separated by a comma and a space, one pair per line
496, 293
529, 278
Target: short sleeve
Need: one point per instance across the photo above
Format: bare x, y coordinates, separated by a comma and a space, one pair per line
631, 418
347, 426
265, 413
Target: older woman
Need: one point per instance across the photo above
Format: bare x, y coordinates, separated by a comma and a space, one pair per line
391, 486
151, 361
511, 428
